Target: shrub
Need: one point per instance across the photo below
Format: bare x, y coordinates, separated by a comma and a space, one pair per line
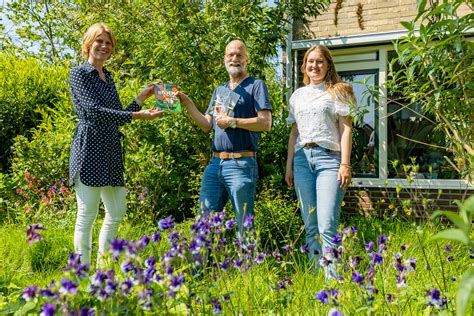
40, 170
27, 85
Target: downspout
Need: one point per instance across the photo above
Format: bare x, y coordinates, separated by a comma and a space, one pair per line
289, 59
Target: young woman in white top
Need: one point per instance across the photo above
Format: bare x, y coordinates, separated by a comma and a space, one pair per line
319, 150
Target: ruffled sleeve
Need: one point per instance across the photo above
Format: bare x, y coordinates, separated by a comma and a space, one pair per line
342, 109
290, 120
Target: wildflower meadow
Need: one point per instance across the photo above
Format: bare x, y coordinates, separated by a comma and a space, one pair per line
202, 266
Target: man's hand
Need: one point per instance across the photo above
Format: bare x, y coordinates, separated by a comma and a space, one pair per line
223, 120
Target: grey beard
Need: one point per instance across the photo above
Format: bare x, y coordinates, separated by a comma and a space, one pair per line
235, 71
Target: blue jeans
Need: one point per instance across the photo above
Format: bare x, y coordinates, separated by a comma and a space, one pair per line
230, 178
320, 196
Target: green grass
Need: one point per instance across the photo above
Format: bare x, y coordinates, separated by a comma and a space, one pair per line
254, 292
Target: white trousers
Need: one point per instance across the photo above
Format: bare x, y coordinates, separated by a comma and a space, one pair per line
88, 199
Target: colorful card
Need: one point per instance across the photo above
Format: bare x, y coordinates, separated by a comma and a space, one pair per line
165, 98
225, 101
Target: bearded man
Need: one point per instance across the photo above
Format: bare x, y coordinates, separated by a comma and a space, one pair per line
238, 112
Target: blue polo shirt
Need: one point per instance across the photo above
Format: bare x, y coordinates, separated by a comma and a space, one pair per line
253, 97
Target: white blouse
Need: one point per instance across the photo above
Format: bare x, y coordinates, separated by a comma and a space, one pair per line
315, 113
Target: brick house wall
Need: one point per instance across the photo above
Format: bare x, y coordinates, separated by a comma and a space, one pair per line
410, 203
376, 16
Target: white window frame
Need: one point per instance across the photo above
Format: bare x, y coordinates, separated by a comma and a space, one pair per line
363, 61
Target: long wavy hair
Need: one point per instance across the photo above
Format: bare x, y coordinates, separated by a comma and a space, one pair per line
338, 88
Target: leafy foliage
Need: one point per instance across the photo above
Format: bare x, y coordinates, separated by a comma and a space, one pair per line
28, 86
437, 71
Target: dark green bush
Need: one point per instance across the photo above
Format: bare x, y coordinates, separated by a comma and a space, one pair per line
27, 85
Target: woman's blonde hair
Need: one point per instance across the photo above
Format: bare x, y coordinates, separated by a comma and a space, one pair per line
339, 89
92, 33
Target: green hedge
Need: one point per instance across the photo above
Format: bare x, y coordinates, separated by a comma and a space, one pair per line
26, 86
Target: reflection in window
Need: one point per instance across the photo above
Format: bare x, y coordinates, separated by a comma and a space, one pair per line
364, 157
413, 139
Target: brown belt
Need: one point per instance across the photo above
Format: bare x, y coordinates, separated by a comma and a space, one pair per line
236, 155
311, 145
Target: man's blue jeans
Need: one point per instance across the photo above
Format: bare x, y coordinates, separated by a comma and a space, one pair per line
320, 196
230, 178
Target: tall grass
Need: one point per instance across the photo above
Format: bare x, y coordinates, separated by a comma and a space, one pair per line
280, 285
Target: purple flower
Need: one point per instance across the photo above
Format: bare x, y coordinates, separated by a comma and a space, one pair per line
110, 288
401, 281
118, 246
436, 299
238, 263
74, 265
382, 239
86, 311
370, 274
48, 292
144, 241
217, 307
225, 264
447, 248
30, 292
412, 263
376, 258
449, 258
48, 309
371, 290
353, 229
230, 224
368, 246
68, 287
354, 261
260, 258
156, 237
173, 237
337, 239
281, 285
217, 220
357, 277
333, 293
166, 223
276, 255
248, 222
288, 248
32, 234
126, 286
403, 247
334, 312
322, 296
150, 262
390, 298
304, 248
127, 266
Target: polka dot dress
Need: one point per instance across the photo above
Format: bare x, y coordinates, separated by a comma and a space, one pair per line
96, 152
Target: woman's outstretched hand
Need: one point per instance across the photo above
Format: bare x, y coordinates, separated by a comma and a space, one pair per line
147, 114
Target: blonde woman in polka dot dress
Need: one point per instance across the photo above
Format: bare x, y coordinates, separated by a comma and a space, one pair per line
96, 165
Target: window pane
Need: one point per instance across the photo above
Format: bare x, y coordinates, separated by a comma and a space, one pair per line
365, 141
413, 140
